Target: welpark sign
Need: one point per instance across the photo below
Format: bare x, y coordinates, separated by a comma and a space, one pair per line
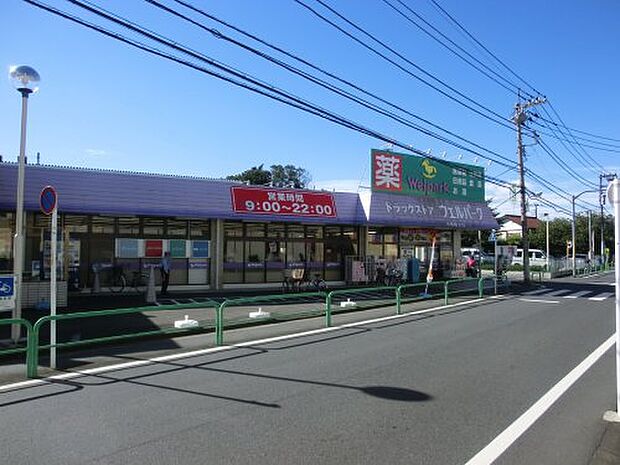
397, 173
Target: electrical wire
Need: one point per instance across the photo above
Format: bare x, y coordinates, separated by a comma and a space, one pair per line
497, 118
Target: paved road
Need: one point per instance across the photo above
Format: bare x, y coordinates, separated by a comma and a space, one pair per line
427, 389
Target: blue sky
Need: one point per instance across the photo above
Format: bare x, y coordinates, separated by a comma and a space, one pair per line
103, 104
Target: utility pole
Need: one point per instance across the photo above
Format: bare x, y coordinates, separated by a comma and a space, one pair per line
608, 177
519, 118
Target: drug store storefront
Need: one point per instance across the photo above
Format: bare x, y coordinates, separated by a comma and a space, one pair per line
218, 233
418, 207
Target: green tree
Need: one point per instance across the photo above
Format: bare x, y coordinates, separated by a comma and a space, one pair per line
255, 176
289, 176
277, 176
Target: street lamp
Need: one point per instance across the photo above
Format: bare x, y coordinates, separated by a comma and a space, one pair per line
26, 80
574, 244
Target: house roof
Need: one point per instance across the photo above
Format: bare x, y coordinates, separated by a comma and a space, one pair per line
532, 222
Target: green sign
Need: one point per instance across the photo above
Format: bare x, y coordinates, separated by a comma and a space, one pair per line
398, 173
178, 248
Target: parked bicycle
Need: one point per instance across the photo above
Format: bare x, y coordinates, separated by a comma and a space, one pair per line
117, 281
317, 284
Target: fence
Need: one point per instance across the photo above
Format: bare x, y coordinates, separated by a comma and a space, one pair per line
232, 312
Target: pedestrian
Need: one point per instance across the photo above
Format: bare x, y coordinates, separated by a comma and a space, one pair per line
164, 268
471, 267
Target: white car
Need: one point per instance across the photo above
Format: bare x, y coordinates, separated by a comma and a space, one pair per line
537, 257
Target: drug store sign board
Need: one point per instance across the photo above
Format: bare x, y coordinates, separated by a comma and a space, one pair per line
397, 173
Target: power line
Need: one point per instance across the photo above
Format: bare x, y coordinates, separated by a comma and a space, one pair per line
579, 131
498, 119
333, 88
510, 86
495, 57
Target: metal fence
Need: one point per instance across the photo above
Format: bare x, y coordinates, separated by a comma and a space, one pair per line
238, 312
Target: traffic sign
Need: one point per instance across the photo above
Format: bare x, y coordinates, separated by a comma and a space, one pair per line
7, 292
48, 200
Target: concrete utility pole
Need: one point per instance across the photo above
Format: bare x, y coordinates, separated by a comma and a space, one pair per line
519, 118
608, 177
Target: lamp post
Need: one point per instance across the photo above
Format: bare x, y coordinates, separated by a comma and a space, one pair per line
25, 79
574, 244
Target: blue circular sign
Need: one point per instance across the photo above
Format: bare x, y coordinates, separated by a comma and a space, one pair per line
48, 200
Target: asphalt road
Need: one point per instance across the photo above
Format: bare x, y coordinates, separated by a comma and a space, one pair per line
427, 389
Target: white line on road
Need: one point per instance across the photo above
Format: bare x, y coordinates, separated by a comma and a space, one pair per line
166, 358
556, 293
576, 294
540, 301
536, 291
502, 442
601, 297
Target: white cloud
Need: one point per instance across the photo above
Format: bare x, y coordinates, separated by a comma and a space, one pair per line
95, 152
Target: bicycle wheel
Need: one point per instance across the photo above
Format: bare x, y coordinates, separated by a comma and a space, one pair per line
140, 282
118, 283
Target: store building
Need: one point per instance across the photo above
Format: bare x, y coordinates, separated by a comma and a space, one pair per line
226, 234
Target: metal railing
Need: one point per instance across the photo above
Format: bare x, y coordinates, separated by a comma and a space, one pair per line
18, 350
281, 307
274, 303
34, 336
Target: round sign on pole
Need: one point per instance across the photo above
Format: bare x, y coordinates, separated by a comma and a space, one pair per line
48, 200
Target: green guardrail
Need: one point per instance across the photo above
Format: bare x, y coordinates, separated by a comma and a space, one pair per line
461, 280
424, 295
397, 293
266, 299
17, 350
344, 292
34, 336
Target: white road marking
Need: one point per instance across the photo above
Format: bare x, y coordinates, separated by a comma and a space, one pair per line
601, 297
576, 295
507, 437
536, 291
540, 301
166, 358
556, 293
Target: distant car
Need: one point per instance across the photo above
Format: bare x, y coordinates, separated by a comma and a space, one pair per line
537, 257
480, 256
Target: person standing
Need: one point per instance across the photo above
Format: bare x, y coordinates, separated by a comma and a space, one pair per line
164, 268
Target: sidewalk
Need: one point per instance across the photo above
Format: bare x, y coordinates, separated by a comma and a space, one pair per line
608, 451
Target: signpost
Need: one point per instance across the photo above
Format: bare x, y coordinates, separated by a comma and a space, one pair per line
49, 205
7, 292
493, 238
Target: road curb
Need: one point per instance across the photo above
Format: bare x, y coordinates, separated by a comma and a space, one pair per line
608, 451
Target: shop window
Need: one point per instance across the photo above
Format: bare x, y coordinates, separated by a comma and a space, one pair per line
199, 228
374, 236
76, 223
129, 226
7, 221
176, 228
233, 229
315, 232
295, 231
276, 251
153, 227
255, 229
333, 231
390, 235
233, 251
255, 252
276, 230
102, 225
350, 232
295, 254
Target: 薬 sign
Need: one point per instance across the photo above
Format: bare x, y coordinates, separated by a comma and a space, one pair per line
411, 175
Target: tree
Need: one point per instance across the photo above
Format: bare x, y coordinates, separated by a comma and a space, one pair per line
289, 176
277, 176
256, 176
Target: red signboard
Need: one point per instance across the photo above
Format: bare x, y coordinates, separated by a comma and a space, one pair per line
279, 202
153, 248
